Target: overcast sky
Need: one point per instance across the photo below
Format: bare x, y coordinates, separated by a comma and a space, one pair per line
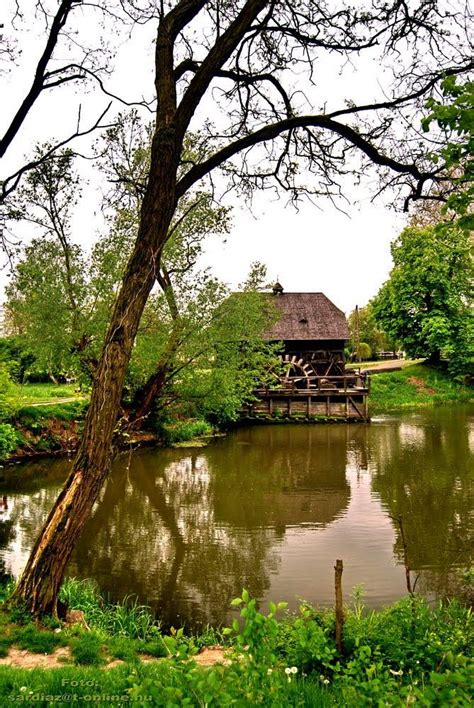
318, 248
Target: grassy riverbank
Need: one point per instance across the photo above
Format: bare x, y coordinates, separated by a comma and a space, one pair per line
407, 653
42, 420
414, 387
47, 418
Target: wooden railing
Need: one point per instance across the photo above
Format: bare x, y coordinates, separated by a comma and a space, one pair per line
320, 384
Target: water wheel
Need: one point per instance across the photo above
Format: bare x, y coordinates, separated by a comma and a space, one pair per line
295, 370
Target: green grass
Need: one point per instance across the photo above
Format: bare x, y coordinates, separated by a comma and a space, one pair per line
126, 649
161, 687
407, 654
415, 386
36, 640
30, 415
123, 619
86, 649
183, 431
24, 394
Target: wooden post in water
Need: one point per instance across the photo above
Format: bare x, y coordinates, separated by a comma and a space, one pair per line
339, 609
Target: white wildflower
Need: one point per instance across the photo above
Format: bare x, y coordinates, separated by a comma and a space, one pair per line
294, 670
288, 671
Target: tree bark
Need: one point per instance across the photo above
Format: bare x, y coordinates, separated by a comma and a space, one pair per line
40, 582
435, 357
41, 579
145, 397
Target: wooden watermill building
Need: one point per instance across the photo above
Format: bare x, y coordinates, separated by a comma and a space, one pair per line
313, 381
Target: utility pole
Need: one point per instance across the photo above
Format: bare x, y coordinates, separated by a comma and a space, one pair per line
357, 333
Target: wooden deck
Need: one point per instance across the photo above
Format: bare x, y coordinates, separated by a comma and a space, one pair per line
313, 397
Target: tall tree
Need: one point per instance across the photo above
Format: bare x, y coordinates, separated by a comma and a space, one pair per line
252, 67
38, 307
454, 114
47, 298
200, 348
426, 303
365, 330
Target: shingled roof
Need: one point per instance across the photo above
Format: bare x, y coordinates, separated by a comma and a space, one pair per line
307, 316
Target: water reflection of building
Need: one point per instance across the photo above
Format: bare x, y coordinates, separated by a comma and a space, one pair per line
286, 477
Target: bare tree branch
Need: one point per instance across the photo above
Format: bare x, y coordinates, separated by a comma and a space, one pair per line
11, 182
40, 76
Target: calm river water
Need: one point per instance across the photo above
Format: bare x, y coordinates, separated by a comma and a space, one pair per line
269, 508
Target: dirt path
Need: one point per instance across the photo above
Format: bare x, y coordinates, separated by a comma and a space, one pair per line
389, 365
54, 402
24, 659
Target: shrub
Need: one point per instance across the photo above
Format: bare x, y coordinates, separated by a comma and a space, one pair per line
182, 432
5, 393
9, 440
155, 648
5, 644
364, 352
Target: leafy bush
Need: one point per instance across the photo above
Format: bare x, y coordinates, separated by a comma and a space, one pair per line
6, 388
16, 357
307, 641
182, 432
9, 440
364, 352
5, 643
156, 648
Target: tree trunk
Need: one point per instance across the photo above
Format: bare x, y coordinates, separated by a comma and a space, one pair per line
41, 579
435, 357
146, 396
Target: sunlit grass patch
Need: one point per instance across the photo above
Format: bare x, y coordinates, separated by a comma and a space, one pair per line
415, 386
23, 394
127, 618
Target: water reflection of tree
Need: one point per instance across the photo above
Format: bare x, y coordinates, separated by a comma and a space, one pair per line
32, 489
153, 535
187, 533
423, 470
34, 475
7, 536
